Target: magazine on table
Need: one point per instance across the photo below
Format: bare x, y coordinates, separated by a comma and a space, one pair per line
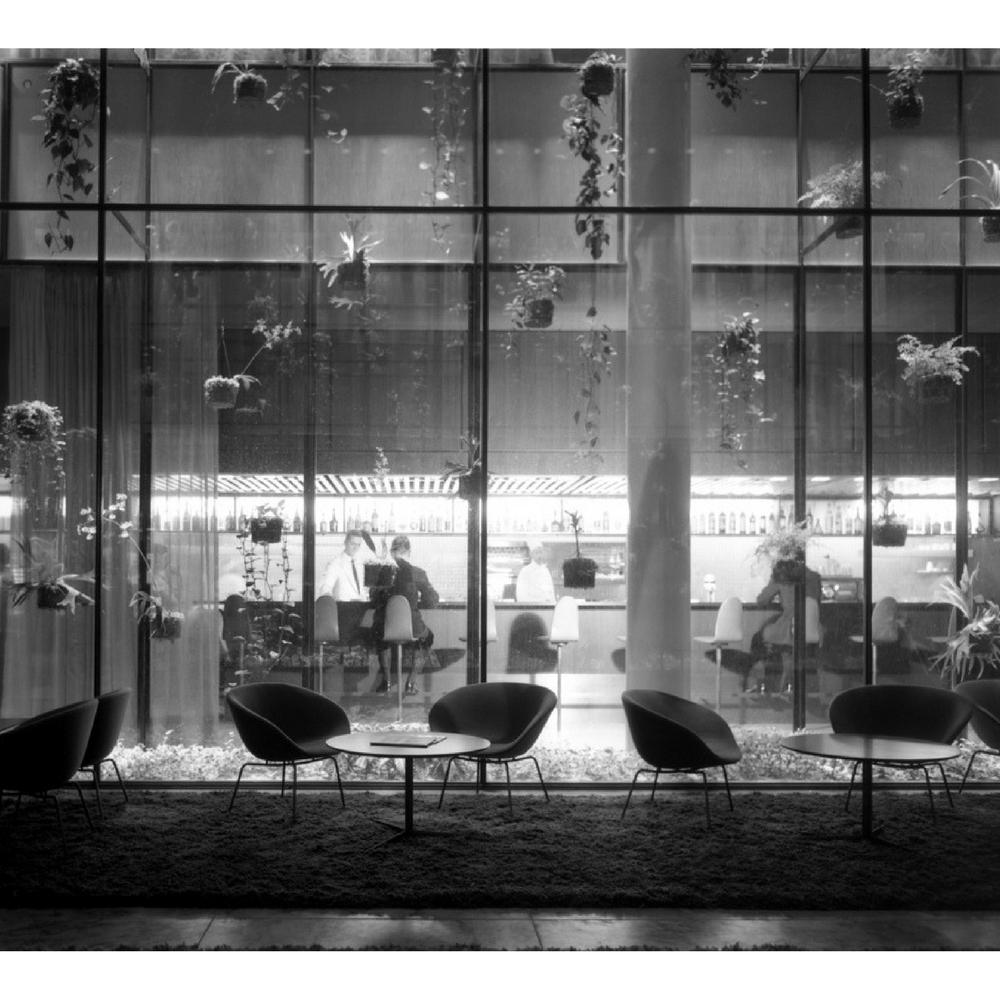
404, 740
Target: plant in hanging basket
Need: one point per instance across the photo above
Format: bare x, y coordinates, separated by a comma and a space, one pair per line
842, 186
535, 291
737, 375
266, 524
349, 277
578, 571
888, 531
720, 75
248, 84
30, 429
43, 573
70, 107
468, 473
989, 197
168, 626
906, 105
932, 370
592, 141
221, 391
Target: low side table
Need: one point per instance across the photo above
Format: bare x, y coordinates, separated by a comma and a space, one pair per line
869, 750
367, 745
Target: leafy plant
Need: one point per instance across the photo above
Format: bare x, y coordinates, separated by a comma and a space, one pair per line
783, 551
469, 471
721, 76
737, 374
45, 577
842, 186
350, 277
30, 429
596, 356
448, 110
273, 336
888, 531
989, 198
535, 292
592, 142
70, 106
932, 361
906, 105
578, 571
976, 645
248, 84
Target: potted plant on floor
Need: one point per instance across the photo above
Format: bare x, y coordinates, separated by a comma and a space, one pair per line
888, 531
69, 109
973, 650
578, 571
535, 291
932, 370
842, 186
989, 184
906, 105
248, 84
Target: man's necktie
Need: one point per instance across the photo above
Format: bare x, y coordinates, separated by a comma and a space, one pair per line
354, 570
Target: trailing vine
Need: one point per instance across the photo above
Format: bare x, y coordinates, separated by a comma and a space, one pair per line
735, 364
600, 147
70, 106
596, 355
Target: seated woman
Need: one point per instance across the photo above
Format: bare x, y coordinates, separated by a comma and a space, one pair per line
401, 577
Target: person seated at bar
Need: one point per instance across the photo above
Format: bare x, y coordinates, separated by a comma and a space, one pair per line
401, 577
534, 581
344, 576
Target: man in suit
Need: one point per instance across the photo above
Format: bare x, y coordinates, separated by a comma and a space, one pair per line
344, 577
402, 577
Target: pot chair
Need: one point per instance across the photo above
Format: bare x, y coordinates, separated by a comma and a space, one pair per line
565, 629
44, 753
286, 725
728, 632
984, 696
398, 630
904, 711
510, 714
677, 736
104, 735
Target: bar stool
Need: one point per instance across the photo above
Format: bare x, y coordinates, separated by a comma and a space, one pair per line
728, 632
399, 631
565, 629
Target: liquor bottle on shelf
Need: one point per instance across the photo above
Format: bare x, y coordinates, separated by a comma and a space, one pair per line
732, 523
752, 526
323, 527
711, 523
771, 523
296, 523
782, 519
334, 526
375, 521
230, 521
743, 522
721, 522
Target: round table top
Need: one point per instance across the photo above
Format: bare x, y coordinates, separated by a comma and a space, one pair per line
451, 745
857, 746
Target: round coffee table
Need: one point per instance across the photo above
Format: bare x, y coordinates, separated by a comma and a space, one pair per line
869, 750
395, 744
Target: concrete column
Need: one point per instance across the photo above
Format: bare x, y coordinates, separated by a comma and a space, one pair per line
657, 134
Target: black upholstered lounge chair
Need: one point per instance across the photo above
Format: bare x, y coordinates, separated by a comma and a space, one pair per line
285, 725
111, 708
44, 752
677, 736
985, 698
904, 711
510, 715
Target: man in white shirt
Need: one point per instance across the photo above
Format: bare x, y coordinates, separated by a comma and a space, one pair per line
534, 582
344, 576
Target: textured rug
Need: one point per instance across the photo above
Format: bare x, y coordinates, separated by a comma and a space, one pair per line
777, 850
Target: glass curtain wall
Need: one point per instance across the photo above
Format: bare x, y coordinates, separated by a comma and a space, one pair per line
617, 336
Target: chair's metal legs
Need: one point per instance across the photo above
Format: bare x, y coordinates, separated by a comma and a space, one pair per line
930, 791
336, 767
283, 766
96, 773
725, 777
118, 775
635, 778
708, 816
83, 802
850, 787
295, 786
541, 780
944, 781
444, 784
967, 770
236, 787
510, 800
55, 802
656, 778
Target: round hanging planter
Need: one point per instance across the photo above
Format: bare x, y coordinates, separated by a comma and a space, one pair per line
352, 276
52, 595
906, 113
221, 392
889, 534
538, 313
597, 78
847, 227
991, 228
937, 389
250, 87
468, 486
265, 530
579, 572
167, 625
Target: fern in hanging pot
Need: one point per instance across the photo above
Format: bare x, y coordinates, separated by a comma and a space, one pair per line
988, 195
932, 370
535, 292
842, 186
888, 531
905, 104
578, 571
248, 84
467, 474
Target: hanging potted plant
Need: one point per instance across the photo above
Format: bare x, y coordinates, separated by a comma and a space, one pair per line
888, 531
30, 429
467, 474
720, 76
737, 374
221, 391
842, 186
578, 571
45, 577
266, 524
349, 277
593, 142
535, 292
248, 84
906, 105
989, 184
70, 106
932, 370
